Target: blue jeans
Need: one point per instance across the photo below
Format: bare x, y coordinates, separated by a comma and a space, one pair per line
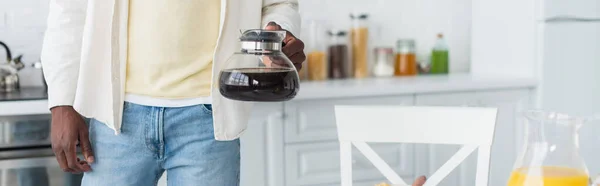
154, 139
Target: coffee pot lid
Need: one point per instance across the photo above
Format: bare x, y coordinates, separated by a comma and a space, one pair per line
258, 40
259, 35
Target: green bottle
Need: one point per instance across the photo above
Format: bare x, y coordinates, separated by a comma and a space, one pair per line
439, 57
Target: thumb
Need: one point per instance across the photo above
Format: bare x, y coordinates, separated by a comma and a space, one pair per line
420, 181
86, 147
272, 26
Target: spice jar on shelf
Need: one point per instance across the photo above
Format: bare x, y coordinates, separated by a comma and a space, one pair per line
406, 58
383, 62
339, 55
360, 43
316, 57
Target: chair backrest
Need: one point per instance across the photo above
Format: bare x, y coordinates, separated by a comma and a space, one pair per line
471, 127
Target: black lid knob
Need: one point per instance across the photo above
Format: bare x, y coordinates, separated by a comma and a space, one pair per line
259, 35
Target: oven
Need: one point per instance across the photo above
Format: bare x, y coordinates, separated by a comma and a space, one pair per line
26, 157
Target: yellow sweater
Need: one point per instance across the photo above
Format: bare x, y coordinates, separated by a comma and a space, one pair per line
171, 45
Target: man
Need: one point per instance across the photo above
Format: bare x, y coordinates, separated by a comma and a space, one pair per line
143, 71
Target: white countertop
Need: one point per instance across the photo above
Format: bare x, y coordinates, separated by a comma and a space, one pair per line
408, 85
349, 88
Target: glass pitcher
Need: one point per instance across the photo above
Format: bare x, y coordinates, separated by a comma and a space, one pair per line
550, 156
260, 72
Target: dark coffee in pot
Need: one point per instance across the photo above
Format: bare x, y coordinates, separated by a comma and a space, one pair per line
259, 84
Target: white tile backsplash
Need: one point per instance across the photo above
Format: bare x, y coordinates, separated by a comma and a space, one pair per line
2, 20
393, 19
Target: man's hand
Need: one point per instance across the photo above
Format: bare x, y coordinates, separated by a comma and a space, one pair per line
69, 129
294, 47
420, 181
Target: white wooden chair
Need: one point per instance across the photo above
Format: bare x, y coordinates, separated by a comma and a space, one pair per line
471, 127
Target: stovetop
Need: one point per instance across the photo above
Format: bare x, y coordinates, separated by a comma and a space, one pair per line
25, 94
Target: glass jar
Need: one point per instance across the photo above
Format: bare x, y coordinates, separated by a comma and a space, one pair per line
406, 58
339, 55
550, 155
384, 61
360, 43
316, 57
260, 71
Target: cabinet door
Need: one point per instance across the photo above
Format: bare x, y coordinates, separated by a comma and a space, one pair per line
580, 8
508, 134
262, 147
314, 120
507, 137
431, 157
315, 164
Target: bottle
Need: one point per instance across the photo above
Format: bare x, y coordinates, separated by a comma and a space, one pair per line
383, 62
440, 57
316, 57
406, 58
339, 55
360, 43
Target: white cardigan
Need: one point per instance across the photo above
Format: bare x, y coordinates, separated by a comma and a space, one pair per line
85, 48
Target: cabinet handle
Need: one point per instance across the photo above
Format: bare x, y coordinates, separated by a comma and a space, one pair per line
570, 19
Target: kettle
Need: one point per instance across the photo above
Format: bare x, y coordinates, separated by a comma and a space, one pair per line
9, 78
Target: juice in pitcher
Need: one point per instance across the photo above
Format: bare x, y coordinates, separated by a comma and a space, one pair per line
548, 176
550, 155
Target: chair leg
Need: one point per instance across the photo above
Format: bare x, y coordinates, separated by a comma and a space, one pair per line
346, 163
483, 166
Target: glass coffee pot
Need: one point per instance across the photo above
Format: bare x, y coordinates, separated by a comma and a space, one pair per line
551, 156
260, 72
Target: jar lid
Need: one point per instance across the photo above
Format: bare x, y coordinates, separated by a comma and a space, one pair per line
338, 33
405, 42
259, 35
359, 16
384, 50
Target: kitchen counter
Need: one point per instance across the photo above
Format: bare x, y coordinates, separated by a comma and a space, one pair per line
33, 100
407, 85
26, 101
25, 94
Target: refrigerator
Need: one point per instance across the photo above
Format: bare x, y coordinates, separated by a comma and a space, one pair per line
570, 70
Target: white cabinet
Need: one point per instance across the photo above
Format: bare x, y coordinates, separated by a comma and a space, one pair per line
508, 137
571, 63
262, 147
580, 8
309, 164
506, 140
431, 157
295, 143
313, 120
312, 151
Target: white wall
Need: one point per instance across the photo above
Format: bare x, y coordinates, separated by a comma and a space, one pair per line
22, 24
417, 19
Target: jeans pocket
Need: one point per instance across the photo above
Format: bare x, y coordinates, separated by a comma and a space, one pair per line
207, 108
